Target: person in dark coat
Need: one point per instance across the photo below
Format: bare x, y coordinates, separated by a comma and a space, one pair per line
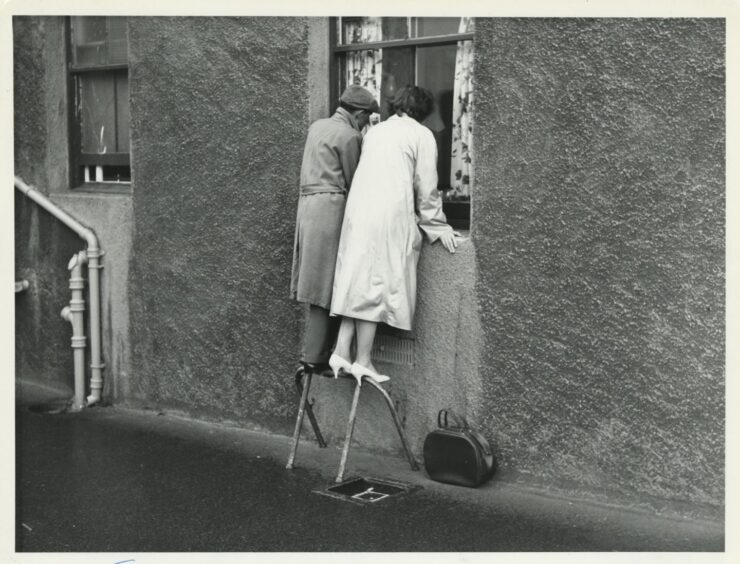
330, 158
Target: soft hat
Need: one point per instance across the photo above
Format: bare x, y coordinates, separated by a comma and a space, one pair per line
359, 97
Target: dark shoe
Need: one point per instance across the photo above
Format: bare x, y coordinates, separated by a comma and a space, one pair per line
321, 368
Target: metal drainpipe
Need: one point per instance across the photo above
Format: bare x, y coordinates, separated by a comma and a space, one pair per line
94, 255
75, 314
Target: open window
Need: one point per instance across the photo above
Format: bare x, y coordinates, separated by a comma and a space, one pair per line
98, 82
384, 54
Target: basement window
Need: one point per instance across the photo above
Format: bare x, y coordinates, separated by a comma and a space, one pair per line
99, 89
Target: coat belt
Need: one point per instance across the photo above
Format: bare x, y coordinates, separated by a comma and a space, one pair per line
321, 189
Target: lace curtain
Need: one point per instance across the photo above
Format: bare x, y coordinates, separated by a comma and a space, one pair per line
461, 169
365, 68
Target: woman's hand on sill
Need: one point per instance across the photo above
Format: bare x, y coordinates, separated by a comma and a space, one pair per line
450, 240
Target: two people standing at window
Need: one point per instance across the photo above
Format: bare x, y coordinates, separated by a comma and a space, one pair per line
356, 250
330, 159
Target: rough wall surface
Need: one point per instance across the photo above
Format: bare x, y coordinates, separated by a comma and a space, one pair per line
599, 230
439, 369
583, 327
110, 216
43, 246
28, 98
219, 112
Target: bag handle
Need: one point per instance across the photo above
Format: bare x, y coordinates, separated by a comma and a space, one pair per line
458, 420
462, 424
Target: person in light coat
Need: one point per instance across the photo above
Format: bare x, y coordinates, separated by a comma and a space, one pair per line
330, 158
393, 199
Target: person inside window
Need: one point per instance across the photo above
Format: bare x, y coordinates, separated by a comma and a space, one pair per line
393, 199
330, 159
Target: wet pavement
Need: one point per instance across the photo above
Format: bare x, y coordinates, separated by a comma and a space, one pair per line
119, 480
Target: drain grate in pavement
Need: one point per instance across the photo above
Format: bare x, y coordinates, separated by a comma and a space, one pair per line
367, 490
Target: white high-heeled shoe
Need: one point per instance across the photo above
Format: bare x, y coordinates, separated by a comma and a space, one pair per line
337, 363
358, 371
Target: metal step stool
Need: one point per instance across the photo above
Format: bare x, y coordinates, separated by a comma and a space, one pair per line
306, 407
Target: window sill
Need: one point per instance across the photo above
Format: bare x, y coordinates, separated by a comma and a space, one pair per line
104, 188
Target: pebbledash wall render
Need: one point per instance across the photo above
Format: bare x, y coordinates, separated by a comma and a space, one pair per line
581, 327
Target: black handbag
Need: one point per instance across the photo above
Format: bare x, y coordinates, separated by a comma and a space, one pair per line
456, 454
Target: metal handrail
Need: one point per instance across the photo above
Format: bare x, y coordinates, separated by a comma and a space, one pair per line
94, 254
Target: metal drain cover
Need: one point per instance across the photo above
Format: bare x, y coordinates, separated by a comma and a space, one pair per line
367, 490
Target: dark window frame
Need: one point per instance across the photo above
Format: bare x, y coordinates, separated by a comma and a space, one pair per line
78, 159
458, 212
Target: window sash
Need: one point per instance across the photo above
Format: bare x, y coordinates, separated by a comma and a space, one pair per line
458, 210
97, 68
412, 41
79, 159
115, 159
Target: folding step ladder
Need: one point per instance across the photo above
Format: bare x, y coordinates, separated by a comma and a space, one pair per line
306, 407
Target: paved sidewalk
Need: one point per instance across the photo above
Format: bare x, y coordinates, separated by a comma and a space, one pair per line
119, 480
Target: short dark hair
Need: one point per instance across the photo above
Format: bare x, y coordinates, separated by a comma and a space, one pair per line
414, 101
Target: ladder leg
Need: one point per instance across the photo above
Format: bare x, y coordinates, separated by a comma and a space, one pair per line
309, 409
412, 461
299, 419
348, 436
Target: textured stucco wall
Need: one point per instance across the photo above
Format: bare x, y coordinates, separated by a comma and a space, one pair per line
599, 231
43, 248
219, 112
441, 370
582, 327
40, 102
28, 98
110, 216
43, 245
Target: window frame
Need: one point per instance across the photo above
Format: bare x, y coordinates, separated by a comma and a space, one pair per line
458, 211
336, 49
78, 159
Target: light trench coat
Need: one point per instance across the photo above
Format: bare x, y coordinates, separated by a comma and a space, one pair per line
329, 161
393, 198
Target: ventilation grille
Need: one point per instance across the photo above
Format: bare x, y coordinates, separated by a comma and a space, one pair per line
393, 349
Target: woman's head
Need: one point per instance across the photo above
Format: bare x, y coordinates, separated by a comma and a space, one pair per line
414, 101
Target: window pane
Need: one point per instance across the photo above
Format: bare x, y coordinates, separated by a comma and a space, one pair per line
97, 112
116, 174
363, 68
98, 40
88, 40
398, 71
355, 30
395, 28
425, 27
436, 72
123, 143
117, 40
122, 113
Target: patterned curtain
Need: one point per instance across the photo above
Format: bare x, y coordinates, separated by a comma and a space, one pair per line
365, 68
461, 170
362, 30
